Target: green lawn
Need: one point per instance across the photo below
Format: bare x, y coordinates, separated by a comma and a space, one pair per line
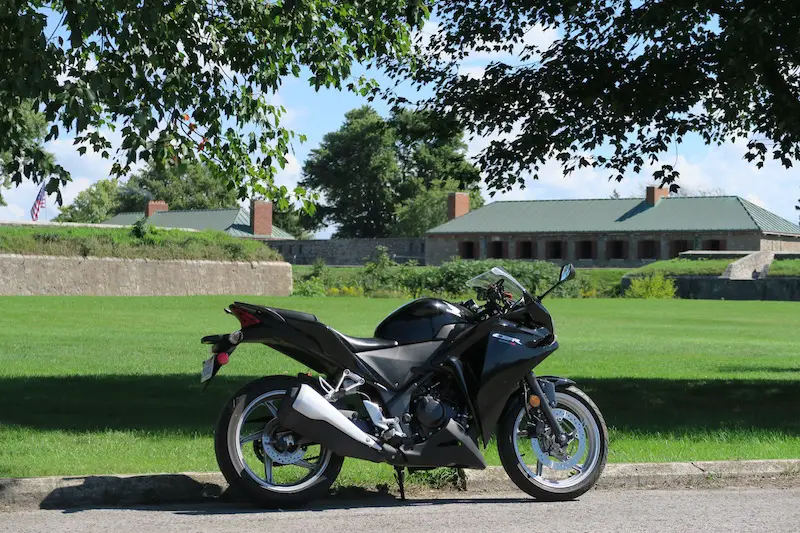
99, 385
684, 267
785, 267
149, 243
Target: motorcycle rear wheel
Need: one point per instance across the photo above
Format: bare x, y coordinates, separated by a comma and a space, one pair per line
254, 459
552, 478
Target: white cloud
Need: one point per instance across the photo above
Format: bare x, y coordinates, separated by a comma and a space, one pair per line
756, 200
290, 174
16, 210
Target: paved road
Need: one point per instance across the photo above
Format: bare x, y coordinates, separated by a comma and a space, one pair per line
708, 511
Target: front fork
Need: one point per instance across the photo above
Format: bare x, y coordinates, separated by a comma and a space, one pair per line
546, 402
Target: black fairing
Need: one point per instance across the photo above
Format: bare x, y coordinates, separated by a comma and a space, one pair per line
422, 320
511, 352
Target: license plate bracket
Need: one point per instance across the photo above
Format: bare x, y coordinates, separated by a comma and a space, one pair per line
208, 369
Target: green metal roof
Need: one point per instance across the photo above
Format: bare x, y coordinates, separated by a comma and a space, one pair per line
720, 213
768, 221
235, 222
124, 219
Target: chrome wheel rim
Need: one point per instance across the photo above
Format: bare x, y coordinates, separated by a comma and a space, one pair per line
269, 454
582, 453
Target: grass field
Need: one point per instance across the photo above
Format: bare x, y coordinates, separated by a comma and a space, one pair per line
110, 385
785, 267
149, 243
684, 267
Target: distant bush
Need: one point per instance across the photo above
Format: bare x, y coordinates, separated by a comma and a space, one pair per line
654, 286
381, 277
600, 282
140, 241
344, 291
309, 287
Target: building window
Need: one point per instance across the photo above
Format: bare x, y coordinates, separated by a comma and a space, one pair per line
411, 247
467, 250
585, 250
616, 250
496, 250
290, 248
299, 248
555, 250
679, 246
714, 244
525, 249
280, 249
422, 247
648, 249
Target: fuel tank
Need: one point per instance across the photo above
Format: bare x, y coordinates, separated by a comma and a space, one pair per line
422, 320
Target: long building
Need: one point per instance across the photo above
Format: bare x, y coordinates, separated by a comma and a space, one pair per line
607, 232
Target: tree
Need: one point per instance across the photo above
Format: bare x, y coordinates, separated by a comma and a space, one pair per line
182, 80
96, 204
29, 133
623, 82
370, 166
298, 222
428, 208
191, 186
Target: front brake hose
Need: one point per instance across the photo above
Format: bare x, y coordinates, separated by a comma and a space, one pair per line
536, 389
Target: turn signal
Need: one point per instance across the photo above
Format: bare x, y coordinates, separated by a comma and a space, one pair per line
534, 401
222, 359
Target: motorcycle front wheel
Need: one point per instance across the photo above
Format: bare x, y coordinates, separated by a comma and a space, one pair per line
547, 472
270, 465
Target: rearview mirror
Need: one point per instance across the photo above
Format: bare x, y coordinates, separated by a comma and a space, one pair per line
567, 273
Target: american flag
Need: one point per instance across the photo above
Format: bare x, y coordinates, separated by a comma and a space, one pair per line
41, 201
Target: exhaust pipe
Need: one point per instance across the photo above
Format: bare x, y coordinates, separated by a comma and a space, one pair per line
305, 411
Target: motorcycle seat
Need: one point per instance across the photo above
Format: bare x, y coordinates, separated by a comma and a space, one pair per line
294, 315
360, 344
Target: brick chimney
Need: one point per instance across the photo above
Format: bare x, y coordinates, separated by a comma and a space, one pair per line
154, 206
457, 204
261, 217
655, 194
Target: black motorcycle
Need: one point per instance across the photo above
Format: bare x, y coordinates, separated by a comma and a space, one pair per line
437, 378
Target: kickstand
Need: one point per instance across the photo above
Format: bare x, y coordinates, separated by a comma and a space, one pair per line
400, 475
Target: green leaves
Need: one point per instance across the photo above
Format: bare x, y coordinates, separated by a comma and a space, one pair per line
145, 68
620, 84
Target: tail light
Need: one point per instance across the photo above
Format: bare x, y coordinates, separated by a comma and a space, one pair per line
245, 318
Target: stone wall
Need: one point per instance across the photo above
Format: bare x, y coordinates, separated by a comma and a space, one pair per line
713, 288
440, 248
349, 251
781, 244
94, 276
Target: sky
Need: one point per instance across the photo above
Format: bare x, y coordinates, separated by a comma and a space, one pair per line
316, 113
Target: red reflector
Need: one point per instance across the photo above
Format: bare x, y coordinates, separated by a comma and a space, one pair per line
222, 358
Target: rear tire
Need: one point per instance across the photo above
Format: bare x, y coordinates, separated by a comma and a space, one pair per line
570, 399
232, 454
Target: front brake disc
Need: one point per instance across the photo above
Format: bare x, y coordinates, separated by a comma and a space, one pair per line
569, 462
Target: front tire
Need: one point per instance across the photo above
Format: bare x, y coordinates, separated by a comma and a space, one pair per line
555, 478
266, 463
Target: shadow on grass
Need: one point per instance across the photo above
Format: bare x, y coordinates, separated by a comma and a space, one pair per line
175, 403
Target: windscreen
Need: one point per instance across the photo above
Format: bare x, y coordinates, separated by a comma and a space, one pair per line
491, 277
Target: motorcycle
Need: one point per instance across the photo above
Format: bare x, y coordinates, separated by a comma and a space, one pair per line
435, 380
